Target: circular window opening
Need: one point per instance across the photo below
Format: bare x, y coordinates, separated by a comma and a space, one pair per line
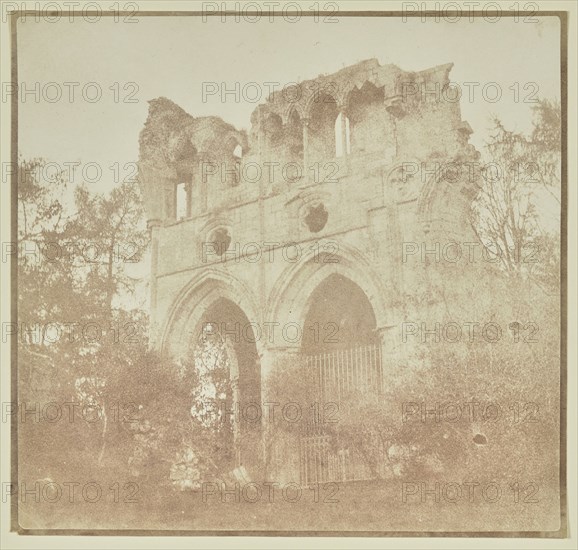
316, 218
221, 240
400, 180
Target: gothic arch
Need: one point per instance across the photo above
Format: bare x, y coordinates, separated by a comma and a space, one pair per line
368, 118
218, 300
315, 97
447, 195
294, 107
185, 317
290, 298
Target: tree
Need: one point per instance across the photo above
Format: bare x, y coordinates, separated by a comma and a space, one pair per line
76, 321
516, 214
113, 226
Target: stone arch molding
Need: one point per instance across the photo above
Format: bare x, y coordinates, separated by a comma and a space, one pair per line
339, 90
184, 322
399, 187
291, 296
442, 195
290, 109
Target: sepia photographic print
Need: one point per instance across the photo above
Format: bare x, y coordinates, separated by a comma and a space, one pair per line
287, 269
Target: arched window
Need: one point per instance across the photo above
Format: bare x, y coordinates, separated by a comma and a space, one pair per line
185, 162
322, 132
369, 119
181, 201
338, 135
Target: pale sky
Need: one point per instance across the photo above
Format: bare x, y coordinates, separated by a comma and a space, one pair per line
173, 56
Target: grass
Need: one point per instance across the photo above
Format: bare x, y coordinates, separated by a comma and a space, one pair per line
356, 506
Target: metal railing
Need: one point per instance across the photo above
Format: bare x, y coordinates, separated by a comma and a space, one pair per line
337, 375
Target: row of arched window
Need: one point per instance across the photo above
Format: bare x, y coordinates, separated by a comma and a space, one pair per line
361, 127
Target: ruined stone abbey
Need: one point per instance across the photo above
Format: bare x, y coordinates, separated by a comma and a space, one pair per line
304, 236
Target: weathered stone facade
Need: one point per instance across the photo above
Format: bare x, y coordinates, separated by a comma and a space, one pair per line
300, 199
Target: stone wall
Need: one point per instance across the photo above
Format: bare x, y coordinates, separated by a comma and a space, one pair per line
293, 208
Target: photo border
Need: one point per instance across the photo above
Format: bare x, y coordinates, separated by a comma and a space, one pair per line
561, 533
